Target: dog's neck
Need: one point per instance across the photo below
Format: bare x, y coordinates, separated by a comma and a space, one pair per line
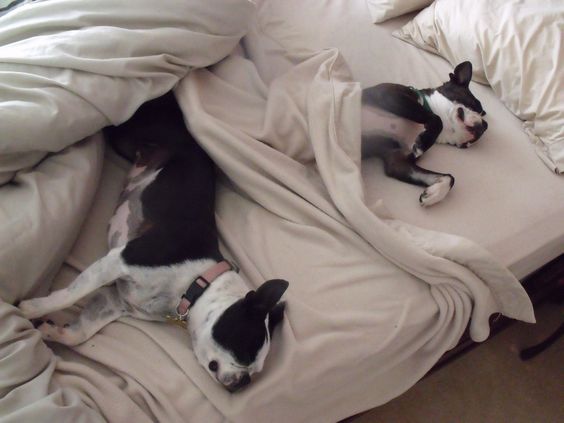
222, 292
201, 284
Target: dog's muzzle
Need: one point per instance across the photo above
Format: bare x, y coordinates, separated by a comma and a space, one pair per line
243, 380
478, 130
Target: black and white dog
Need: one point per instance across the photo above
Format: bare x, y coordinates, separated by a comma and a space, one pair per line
448, 114
164, 262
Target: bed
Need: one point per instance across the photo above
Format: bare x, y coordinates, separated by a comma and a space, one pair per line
380, 288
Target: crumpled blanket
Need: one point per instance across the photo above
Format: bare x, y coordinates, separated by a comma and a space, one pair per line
69, 68
373, 302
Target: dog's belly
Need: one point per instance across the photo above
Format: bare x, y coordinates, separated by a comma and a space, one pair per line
128, 221
148, 301
376, 121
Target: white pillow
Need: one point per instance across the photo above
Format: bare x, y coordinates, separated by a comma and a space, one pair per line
382, 10
516, 47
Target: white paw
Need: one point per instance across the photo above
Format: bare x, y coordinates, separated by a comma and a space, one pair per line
51, 332
436, 192
30, 309
417, 152
447, 141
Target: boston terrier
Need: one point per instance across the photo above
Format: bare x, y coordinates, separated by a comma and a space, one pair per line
164, 261
400, 123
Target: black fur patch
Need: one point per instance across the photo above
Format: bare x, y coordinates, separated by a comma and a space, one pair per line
241, 328
179, 205
240, 331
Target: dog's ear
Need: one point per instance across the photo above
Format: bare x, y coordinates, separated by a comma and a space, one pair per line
276, 316
264, 299
462, 74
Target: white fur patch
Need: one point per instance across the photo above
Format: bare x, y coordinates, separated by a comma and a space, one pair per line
118, 225
120, 229
135, 181
454, 130
377, 121
436, 192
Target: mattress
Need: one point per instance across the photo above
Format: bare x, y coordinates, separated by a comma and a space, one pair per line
504, 197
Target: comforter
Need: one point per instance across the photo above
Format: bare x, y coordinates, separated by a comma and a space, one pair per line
373, 301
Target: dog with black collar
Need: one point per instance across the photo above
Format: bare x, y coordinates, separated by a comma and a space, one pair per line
400, 123
164, 261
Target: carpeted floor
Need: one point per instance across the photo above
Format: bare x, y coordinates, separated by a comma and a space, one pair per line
489, 384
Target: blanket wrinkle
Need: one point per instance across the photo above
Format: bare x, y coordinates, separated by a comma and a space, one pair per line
115, 60
21, 387
510, 297
42, 213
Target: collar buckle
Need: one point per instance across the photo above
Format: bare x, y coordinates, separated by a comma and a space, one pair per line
234, 267
197, 288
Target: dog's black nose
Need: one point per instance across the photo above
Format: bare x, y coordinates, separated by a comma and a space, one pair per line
244, 380
479, 129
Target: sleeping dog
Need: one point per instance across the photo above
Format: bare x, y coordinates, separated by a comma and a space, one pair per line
164, 262
448, 114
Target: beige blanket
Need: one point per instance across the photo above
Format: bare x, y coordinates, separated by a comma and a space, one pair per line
372, 305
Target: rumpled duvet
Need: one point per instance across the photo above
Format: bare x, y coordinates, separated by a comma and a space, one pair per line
373, 302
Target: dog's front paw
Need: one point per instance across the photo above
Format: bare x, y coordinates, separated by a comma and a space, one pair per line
62, 334
436, 192
49, 331
30, 309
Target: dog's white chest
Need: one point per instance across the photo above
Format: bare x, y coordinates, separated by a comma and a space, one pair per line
376, 121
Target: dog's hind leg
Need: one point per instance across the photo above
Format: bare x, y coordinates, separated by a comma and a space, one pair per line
100, 273
103, 308
400, 166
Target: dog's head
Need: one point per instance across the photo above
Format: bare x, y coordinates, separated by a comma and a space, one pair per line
462, 114
231, 339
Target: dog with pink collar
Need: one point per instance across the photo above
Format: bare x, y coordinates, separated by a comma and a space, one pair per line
164, 261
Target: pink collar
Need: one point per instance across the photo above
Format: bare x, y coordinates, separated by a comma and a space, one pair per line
199, 285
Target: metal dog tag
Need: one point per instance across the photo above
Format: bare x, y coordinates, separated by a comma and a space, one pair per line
177, 320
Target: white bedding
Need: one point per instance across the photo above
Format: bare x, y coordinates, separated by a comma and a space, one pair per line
504, 199
373, 302
515, 47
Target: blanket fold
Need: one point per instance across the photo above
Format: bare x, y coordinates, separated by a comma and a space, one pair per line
77, 67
